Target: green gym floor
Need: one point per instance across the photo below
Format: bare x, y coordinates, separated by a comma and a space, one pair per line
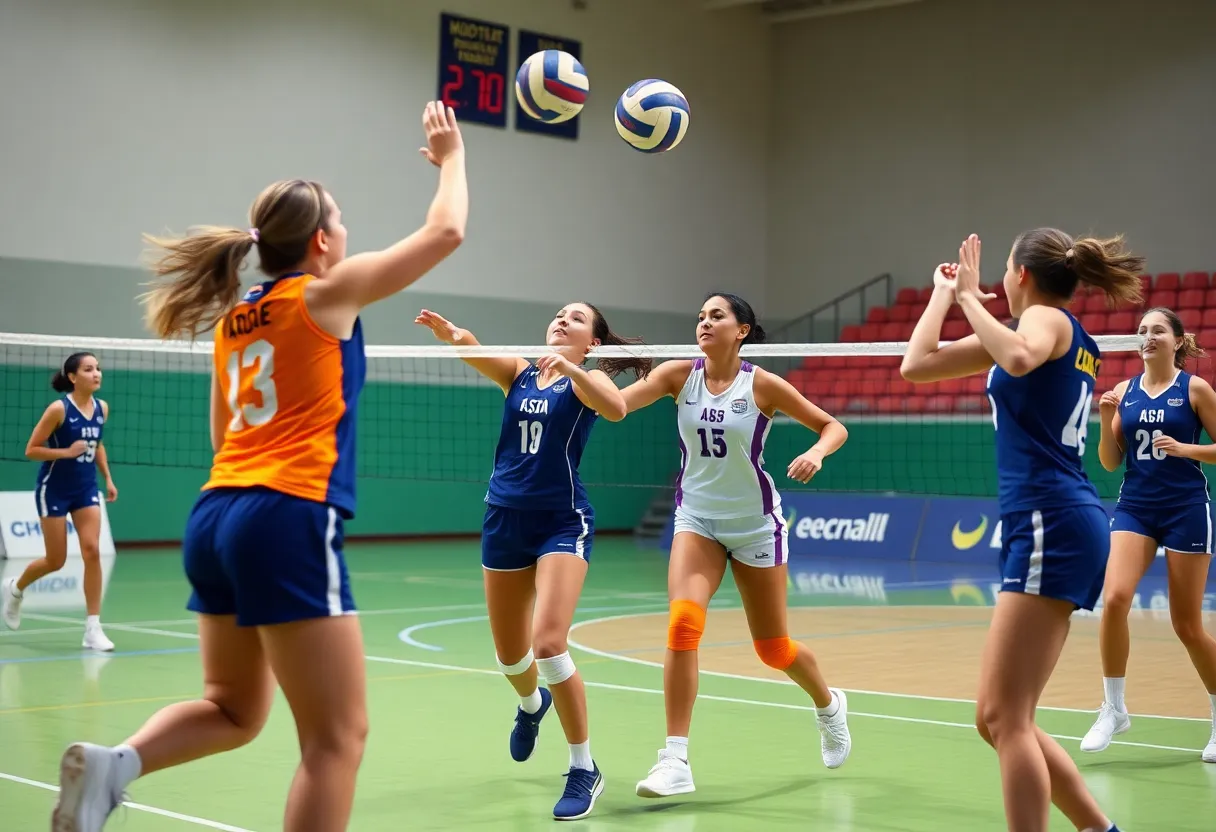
440, 714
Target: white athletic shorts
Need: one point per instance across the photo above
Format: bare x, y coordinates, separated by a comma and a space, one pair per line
756, 541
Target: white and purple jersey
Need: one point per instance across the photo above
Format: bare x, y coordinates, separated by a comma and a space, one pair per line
722, 449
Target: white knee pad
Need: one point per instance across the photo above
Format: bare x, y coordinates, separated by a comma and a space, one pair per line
517, 668
556, 670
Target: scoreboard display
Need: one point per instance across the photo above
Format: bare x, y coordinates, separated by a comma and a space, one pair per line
473, 63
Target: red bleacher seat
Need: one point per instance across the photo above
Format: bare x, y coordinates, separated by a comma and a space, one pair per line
907, 295
999, 289
925, 294
1209, 318
1094, 322
1094, 303
1146, 284
889, 404
1207, 339
1191, 318
870, 332
1195, 280
1167, 281
1163, 297
1190, 299
878, 315
901, 313
939, 404
890, 332
1120, 322
999, 308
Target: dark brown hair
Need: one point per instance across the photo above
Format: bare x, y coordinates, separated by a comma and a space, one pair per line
744, 314
1057, 263
60, 381
613, 367
1190, 347
204, 267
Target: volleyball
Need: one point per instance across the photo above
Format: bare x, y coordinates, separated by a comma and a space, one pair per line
551, 86
652, 115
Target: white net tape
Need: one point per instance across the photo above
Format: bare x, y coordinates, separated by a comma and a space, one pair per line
1106, 343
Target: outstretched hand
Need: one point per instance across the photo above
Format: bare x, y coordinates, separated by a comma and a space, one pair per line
443, 137
440, 327
967, 281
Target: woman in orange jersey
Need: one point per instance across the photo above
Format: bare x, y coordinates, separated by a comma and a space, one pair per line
263, 545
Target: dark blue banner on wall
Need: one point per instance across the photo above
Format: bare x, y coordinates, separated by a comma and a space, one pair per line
529, 44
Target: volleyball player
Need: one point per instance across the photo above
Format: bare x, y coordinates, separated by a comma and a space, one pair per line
67, 485
539, 525
263, 545
1054, 536
728, 510
1156, 419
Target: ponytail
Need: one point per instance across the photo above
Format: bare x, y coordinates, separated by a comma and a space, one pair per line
205, 280
205, 267
1058, 263
1190, 349
613, 367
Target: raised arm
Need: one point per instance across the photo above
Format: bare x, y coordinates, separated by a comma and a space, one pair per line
593, 387
664, 380
774, 393
36, 449
925, 361
502, 371
366, 278
1110, 423
219, 414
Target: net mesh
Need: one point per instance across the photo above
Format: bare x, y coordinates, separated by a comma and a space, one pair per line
427, 417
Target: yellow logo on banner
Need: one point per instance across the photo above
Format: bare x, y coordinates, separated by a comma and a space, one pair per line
965, 540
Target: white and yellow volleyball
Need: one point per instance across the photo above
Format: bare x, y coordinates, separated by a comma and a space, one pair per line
652, 115
551, 86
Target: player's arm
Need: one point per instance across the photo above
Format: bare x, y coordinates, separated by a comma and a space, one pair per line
501, 371
593, 387
219, 414
926, 361
36, 448
366, 278
1110, 442
1042, 331
664, 380
1203, 399
774, 393
103, 462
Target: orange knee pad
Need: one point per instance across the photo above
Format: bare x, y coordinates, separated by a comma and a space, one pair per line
777, 653
685, 626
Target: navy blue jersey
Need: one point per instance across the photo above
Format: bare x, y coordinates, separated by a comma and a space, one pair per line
1152, 479
540, 445
1041, 421
66, 476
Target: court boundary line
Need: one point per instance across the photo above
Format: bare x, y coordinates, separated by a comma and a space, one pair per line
740, 677
139, 807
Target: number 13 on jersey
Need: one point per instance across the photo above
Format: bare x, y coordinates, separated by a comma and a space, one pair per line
250, 378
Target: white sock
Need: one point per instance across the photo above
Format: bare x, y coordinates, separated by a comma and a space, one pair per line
531, 703
1213, 698
18, 594
1114, 692
580, 756
92, 622
678, 747
832, 709
128, 765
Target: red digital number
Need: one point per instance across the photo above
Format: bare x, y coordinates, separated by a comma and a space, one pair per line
490, 90
451, 86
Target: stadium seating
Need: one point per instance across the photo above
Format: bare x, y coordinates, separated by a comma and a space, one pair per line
872, 384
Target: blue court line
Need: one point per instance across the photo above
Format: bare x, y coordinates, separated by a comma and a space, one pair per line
84, 654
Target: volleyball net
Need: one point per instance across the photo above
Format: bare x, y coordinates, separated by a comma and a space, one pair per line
428, 425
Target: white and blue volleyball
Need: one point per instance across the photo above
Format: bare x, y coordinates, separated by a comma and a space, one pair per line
652, 115
552, 86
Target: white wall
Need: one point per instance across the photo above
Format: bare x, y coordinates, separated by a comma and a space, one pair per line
122, 117
897, 132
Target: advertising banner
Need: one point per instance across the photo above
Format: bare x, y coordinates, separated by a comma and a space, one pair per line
21, 528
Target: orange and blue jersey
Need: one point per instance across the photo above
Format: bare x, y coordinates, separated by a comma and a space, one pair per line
292, 390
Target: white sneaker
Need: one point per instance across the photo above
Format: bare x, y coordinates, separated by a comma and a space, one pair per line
1109, 723
669, 776
10, 604
1209, 753
87, 789
835, 742
95, 639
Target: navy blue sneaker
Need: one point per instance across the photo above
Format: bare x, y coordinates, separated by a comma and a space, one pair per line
527, 726
582, 788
